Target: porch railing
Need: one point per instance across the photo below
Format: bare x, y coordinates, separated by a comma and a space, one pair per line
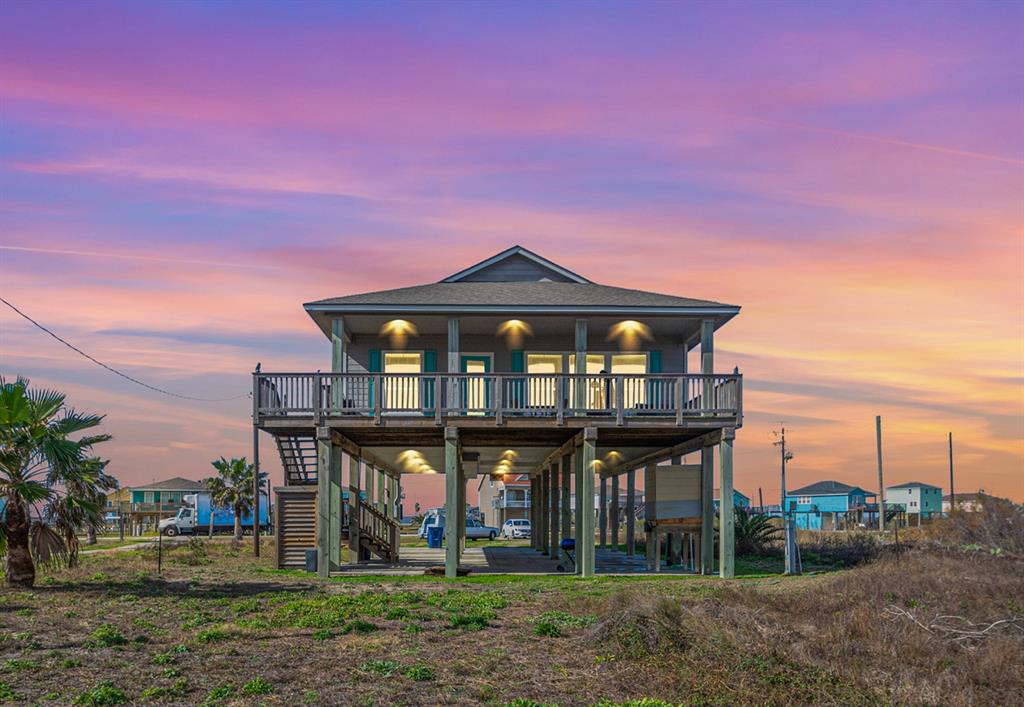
497, 395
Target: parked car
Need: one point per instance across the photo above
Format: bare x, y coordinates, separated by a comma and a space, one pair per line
516, 528
475, 530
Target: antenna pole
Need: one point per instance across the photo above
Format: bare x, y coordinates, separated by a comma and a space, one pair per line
952, 494
881, 483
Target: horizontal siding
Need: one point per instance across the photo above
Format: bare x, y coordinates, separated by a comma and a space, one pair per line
296, 528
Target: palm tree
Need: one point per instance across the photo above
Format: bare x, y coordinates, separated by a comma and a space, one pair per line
41, 465
753, 531
232, 488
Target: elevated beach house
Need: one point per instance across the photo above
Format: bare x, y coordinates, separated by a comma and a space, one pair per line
919, 500
514, 365
829, 505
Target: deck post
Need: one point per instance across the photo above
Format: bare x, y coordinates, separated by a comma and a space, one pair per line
565, 499
353, 509
585, 503
453, 363
535, 501
707, 363
726, 527
579, 402
339, 362
602, 513
336, 511
545, 514
371, 483
323, 502
652, 548
675, 538
631, 512
382, 483
707, 510
555, 517
451, 500
614, 515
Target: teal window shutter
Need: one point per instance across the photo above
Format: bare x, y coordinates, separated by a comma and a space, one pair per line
655, 390
375, 366
518, 386
429, 366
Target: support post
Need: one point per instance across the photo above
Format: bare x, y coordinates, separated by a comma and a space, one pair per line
545, 511
353, 509
675, 538
707, 363
371, 484
453, 363
555, 517
602, 513
631, 512
382, 483
451, 499
881, 482
585, 503
323, 503
580, 369
707, 510
256, 492
565, 490
336, 511
726, 519
339, 362
534, 540
614, 515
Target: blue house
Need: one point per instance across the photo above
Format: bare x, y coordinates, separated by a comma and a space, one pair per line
829, 505
739, 500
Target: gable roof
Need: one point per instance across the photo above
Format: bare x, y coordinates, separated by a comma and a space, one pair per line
913, 485
716, 493
517, 295
827, 488
516, 251
177, 483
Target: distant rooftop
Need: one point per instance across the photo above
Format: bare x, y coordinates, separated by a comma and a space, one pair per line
827, 488
913, 485
177, 483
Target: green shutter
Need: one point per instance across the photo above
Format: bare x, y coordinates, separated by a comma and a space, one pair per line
655, 391
156, 497
519, 386
138, 496
375, 365
429, 366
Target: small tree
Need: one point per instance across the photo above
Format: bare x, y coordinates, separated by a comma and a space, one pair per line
232, 488
49, 482
754, 532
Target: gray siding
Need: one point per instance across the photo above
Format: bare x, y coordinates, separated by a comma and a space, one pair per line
515, 268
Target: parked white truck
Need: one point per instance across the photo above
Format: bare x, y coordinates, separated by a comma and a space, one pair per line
194, 518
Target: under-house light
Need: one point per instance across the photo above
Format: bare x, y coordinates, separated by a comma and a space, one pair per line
514, 330
398, 331
412, 461
629, 333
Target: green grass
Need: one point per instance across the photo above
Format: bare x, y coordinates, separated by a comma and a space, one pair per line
103, 694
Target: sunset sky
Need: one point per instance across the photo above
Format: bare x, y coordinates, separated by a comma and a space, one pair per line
176, 179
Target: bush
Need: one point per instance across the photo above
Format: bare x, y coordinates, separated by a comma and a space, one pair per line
637, 626
104, 693
105, 636
997, 527
420, 673
257, 686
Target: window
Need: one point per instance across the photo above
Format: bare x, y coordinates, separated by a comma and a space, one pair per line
541, 392
804, 500
634, 391
403, 393
600, 394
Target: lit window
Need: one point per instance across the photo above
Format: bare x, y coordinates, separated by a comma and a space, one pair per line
403, 393
541, 392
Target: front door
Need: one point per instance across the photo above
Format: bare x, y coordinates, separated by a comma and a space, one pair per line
475, 390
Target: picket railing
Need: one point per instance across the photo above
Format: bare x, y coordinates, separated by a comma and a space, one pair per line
497, 395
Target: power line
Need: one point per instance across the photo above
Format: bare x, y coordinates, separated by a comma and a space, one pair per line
114, 370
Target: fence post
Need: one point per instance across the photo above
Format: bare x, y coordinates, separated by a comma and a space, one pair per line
377, 397
497, 382
620, 398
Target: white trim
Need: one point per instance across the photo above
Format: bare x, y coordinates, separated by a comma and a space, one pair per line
515, 250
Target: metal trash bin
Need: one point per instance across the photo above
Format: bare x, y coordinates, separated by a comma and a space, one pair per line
311, 564
435, 536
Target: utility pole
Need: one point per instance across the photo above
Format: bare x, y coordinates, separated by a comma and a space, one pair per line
792, 552
760, 499
952, 494
881, 483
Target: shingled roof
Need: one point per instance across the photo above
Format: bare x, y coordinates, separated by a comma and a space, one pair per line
178, 483
827, 488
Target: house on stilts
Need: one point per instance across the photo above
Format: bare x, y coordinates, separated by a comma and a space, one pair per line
515, 365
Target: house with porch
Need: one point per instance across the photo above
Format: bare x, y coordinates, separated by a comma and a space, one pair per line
739, 500
829, 505
151, 503
514, 366
919, 501
504, 497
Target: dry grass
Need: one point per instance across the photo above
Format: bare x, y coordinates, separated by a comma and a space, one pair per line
225, 629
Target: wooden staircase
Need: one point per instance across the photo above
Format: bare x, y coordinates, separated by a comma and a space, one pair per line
378, 534
298, 457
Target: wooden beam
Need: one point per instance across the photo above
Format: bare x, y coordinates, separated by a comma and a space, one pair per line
681, 449
354, 450
566, 448
615, 516
602, 513
631, 512
353, 509
565, 469
323, 505
707, 513
336, 511
451, 499
553, 503
726, 520
585, 503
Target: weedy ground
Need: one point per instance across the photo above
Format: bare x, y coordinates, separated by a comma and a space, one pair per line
218, 627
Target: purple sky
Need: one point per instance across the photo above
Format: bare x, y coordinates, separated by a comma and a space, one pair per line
177, 178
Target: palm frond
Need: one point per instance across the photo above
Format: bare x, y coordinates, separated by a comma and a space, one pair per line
48, 547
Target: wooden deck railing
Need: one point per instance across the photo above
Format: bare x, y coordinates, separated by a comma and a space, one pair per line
497, 395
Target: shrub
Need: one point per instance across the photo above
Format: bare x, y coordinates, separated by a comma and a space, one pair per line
257, 686
359, 626
15, 665
197, 554
469, 622
104, 693
420, 673
160, 692
6, 691
638, 626
219, 694
105, 636
384, 668
212, 635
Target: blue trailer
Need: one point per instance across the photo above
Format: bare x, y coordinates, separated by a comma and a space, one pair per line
194, 518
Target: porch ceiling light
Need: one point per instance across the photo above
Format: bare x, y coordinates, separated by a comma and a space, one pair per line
629, 333
514, 330
398, 331
412, 461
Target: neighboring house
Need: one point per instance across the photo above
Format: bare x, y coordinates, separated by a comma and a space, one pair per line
151, 503
504, 497
917, 499
966, 502
116, 502
739, 500
829, 505
514, 365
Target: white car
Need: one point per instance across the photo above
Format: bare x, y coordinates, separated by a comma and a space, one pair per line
516, 528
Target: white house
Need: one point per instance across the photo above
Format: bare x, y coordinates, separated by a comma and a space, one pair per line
922, 500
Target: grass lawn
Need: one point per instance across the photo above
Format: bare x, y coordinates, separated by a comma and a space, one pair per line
219, 627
